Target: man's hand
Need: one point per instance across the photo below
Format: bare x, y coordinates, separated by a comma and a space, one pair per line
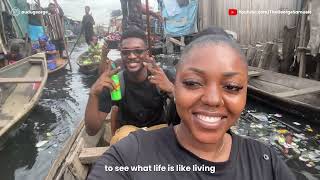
104, 81
158, 77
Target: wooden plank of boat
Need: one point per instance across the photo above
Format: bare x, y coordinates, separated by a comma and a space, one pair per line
289, 93
68, 165
20, 80
61, 64
90, 155
22, 96
254, 73
315, 89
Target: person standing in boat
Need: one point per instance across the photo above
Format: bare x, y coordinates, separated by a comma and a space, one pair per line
45, 46
132, 11
87, 25
210, 92
146, 89
55, 24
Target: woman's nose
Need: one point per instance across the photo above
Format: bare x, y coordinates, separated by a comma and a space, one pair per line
212, 96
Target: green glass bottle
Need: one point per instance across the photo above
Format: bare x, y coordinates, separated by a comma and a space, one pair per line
116, 93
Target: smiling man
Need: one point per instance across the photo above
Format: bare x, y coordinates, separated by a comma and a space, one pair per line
146, 89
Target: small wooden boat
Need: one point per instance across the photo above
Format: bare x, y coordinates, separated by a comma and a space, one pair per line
21, 86
87, 68
79, 152
61, 65
296, 95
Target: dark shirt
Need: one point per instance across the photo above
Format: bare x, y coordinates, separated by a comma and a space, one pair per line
249, 160
141, 106
87, 23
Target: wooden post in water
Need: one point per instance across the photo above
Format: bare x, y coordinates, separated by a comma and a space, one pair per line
148, 26
2, 24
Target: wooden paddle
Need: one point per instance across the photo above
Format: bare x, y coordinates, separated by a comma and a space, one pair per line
76, 42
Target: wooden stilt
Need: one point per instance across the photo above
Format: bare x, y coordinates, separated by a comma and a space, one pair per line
318, 71
2, 24
301, 54
2, 46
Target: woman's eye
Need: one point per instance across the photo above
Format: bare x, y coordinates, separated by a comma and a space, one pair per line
233, 88
191, 84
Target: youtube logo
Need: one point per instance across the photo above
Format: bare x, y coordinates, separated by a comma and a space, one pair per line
233, 12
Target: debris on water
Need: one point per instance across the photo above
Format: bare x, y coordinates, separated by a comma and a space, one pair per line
308, 128
304, 158
41, 143
260, 116
296, 123
282, 131
300, 136
278, 115
311, 164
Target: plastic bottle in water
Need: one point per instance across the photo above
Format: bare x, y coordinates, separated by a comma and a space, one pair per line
116, 93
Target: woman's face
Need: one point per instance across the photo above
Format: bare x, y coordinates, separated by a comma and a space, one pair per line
210, 91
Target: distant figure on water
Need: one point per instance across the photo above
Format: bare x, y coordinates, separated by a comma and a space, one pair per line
45, 46
94, 51
55, 25
87, 25
132, 11
146, 90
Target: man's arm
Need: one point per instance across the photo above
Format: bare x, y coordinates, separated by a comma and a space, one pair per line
93, 116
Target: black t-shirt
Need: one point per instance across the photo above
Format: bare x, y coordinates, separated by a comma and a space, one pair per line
142, 105
249, 160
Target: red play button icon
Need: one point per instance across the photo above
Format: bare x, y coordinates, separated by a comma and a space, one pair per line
233, 12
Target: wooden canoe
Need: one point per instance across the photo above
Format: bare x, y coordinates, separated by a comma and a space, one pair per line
91, 68
73, 160
21, 86
295, 95
61, 65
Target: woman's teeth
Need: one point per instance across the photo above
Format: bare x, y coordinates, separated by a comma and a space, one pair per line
209, 119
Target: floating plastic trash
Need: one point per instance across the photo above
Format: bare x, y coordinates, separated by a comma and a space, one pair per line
41, 143
278, 115
282, 131
296, 123
260, 116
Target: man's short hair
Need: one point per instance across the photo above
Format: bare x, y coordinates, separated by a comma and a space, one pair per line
134, 33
